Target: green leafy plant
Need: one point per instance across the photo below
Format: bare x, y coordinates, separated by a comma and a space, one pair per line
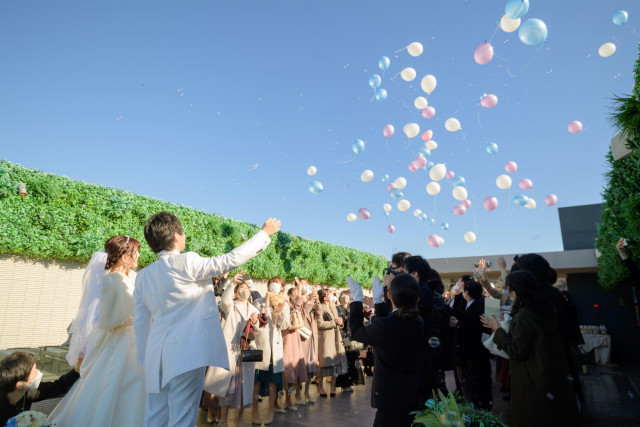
453, 410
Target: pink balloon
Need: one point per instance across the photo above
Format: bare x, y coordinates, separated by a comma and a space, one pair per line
420, 161
551, 199
391, 229
427, 135
511, 166
489, 101
388, 130
428, 112
526, 184
363, 213
413, 167
490, 203
459, 209
434, 240
575, 126
450, 174
467, 203
483, 53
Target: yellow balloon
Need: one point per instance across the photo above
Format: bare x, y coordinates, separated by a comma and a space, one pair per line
351, 217
408, 74
459, 193
417, 212
428, 83
452, 125
503, 182
366, 175
400, 183
431, 144
387, 207
438, 172
411, 130
470, 236
312, 170
415, 49
420, 102
531, 204
404, 205
509, 25
607, 50
433, 188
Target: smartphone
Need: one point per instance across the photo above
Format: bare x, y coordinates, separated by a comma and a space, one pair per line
246, 277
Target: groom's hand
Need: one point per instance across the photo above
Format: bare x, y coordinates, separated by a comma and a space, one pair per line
271, 226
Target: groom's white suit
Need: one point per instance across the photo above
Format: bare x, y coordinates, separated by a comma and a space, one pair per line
177, 328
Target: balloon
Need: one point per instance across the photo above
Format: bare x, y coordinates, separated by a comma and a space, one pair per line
431, 144
489, 101
531, 204
492, 148
428, 134
483, 53
509, 25
503, 182
428, 166
400, 183
315, 187
452, 124
363, 213
450, 174
551, 199
607, 50
458, 181
424, 152
444, 226
420, 161
466, 203
408, 74
511, 166
381, 95
384, 62
428, 112
388, 131
515, 9
431, 221
366, 175
438, 172
404, 205
520, 200
428, 83
375, 81
385, 177
575, 126
411, 130
433, 188
358, 146
490, 203
351, 217
434, 240
311, 170
459, 210
525, 184
387, 207
413, 167
532, 32
422, 216
385, 214
459, 193
420, 102
434, 342
470, 237
620, 17
417, 212
390, 187
396, 194
415, 49
391, 229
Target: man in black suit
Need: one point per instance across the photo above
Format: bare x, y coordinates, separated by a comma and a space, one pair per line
397, 342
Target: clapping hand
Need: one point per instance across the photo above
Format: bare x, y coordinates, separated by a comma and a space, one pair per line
339, 321
377, 290
490, 322
355, 288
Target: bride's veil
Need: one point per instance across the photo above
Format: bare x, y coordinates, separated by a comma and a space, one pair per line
89, 310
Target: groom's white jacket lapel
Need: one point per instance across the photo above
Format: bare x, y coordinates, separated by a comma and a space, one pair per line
176, 320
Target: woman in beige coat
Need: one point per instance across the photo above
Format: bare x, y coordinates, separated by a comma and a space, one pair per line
306, 304
331, 355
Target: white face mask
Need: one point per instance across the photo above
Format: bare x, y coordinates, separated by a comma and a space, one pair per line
250, 283
306, 290
334, 299
36, 381
244, 294
275, 287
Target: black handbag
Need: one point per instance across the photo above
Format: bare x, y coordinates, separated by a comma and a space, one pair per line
252, 355
248, 354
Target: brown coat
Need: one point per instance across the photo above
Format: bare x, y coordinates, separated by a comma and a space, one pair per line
310, 345
330, 349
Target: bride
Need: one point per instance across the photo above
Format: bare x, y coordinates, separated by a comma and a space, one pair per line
110, 391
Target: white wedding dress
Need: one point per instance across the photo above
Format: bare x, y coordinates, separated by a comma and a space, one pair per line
110, 390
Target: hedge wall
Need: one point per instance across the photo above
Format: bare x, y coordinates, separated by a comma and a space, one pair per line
63, 219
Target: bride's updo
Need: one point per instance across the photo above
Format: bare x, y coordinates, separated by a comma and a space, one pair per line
117, 246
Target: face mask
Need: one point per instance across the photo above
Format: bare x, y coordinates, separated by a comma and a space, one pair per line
306, 290
275, 287
250, 283
344, 300
334, 299
244, 294
36, 381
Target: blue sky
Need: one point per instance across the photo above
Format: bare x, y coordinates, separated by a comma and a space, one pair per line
222, 106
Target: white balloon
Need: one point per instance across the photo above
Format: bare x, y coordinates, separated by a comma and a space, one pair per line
440, 240
503, 182
509, 25
366, 175
408, 74
351, 217
387, 207
428, 83
438, 172
312, 170
417, 212
433, 188
452, 124
607, 49
431, 144
459, 193
531, 204
411, 130
404, 205
400, 183
470, 236
415, 49
420, 102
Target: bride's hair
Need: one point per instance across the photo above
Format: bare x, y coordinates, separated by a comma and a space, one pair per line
117, 246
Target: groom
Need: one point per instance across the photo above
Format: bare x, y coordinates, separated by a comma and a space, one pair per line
176, 321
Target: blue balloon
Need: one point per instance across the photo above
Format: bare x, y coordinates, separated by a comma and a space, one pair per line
385, 214
375, 81
516, 8
492, 148
444, 226
315, 187
384, 62
396, 193
424, 152
422, 217
429, 165
358, 146
620, 17
458, 181
385, 177
381, 95
431, 221
532, 32
520, 200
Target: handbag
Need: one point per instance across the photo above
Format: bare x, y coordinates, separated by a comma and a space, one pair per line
252, 355
304, 332
247, 353
297, 321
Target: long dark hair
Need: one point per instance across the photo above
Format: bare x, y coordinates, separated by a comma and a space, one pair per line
405, 291
525, 285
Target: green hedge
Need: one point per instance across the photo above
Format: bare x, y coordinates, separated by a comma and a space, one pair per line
64, 219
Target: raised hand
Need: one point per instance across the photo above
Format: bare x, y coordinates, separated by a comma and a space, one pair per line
271, 226
377, 289
355, 288
620, 247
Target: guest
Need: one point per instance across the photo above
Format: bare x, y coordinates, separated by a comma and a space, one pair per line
294, 363
395, 267
354, 375
331, 354
306, 302
397, 344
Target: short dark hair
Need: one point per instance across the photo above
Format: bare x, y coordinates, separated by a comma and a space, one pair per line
160, 230
474, 289
435, 282
466, 278
399, 257
536, 265
417, 264
404, 290
14, 368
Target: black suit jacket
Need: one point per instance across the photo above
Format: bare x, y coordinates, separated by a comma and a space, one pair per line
470, 331
397, 346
